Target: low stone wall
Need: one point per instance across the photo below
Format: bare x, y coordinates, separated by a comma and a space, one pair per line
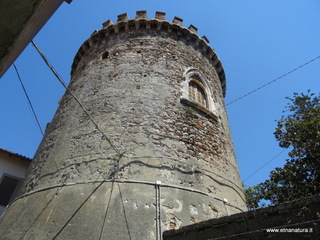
298, 219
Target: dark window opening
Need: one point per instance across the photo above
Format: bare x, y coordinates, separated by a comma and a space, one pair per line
7, 188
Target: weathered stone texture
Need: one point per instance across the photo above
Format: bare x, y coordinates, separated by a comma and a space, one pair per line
130, 83
295, 220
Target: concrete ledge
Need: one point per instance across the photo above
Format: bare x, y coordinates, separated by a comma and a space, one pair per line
298, 219
200, 108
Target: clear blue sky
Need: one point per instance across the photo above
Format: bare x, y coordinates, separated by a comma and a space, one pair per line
257, 41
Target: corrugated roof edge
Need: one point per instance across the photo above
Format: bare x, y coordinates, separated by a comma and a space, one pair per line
16, 154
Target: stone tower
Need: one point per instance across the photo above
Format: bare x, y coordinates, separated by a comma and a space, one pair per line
140, 142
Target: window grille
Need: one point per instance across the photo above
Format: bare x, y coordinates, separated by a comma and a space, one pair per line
197, 93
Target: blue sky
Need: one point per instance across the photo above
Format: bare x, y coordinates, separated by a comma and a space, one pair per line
257, 41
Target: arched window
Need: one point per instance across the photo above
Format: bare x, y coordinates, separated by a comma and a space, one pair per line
197, 92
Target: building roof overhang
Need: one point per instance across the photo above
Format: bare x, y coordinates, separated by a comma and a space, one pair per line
20, 21
15, 154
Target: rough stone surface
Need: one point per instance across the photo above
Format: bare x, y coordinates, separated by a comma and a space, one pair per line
294, 220
129, 79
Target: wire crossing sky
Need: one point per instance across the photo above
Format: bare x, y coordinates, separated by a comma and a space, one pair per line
273, 81
256, 41
28, 99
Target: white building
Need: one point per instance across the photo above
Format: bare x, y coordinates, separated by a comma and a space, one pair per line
13, 168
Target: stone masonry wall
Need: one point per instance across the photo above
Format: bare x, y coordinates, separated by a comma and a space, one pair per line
294, 220
132, 156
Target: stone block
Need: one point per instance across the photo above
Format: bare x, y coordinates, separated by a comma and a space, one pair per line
177, 21
160, 16
141, 14
123, 17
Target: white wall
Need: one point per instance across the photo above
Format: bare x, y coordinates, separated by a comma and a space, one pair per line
13, 165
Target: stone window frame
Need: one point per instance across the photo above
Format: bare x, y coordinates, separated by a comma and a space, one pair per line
194, 75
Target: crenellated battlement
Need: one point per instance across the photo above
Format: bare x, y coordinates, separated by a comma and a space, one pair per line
159, 23
140, 142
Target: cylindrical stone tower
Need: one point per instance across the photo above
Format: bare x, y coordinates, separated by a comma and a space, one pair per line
140, 142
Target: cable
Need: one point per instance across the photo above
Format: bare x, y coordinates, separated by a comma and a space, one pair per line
77, 100
264, 165
77, 210
259, 88
96, 126
36, 219
34, 113
29, 101
158, 211
124, 211
106, 213
274, 80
